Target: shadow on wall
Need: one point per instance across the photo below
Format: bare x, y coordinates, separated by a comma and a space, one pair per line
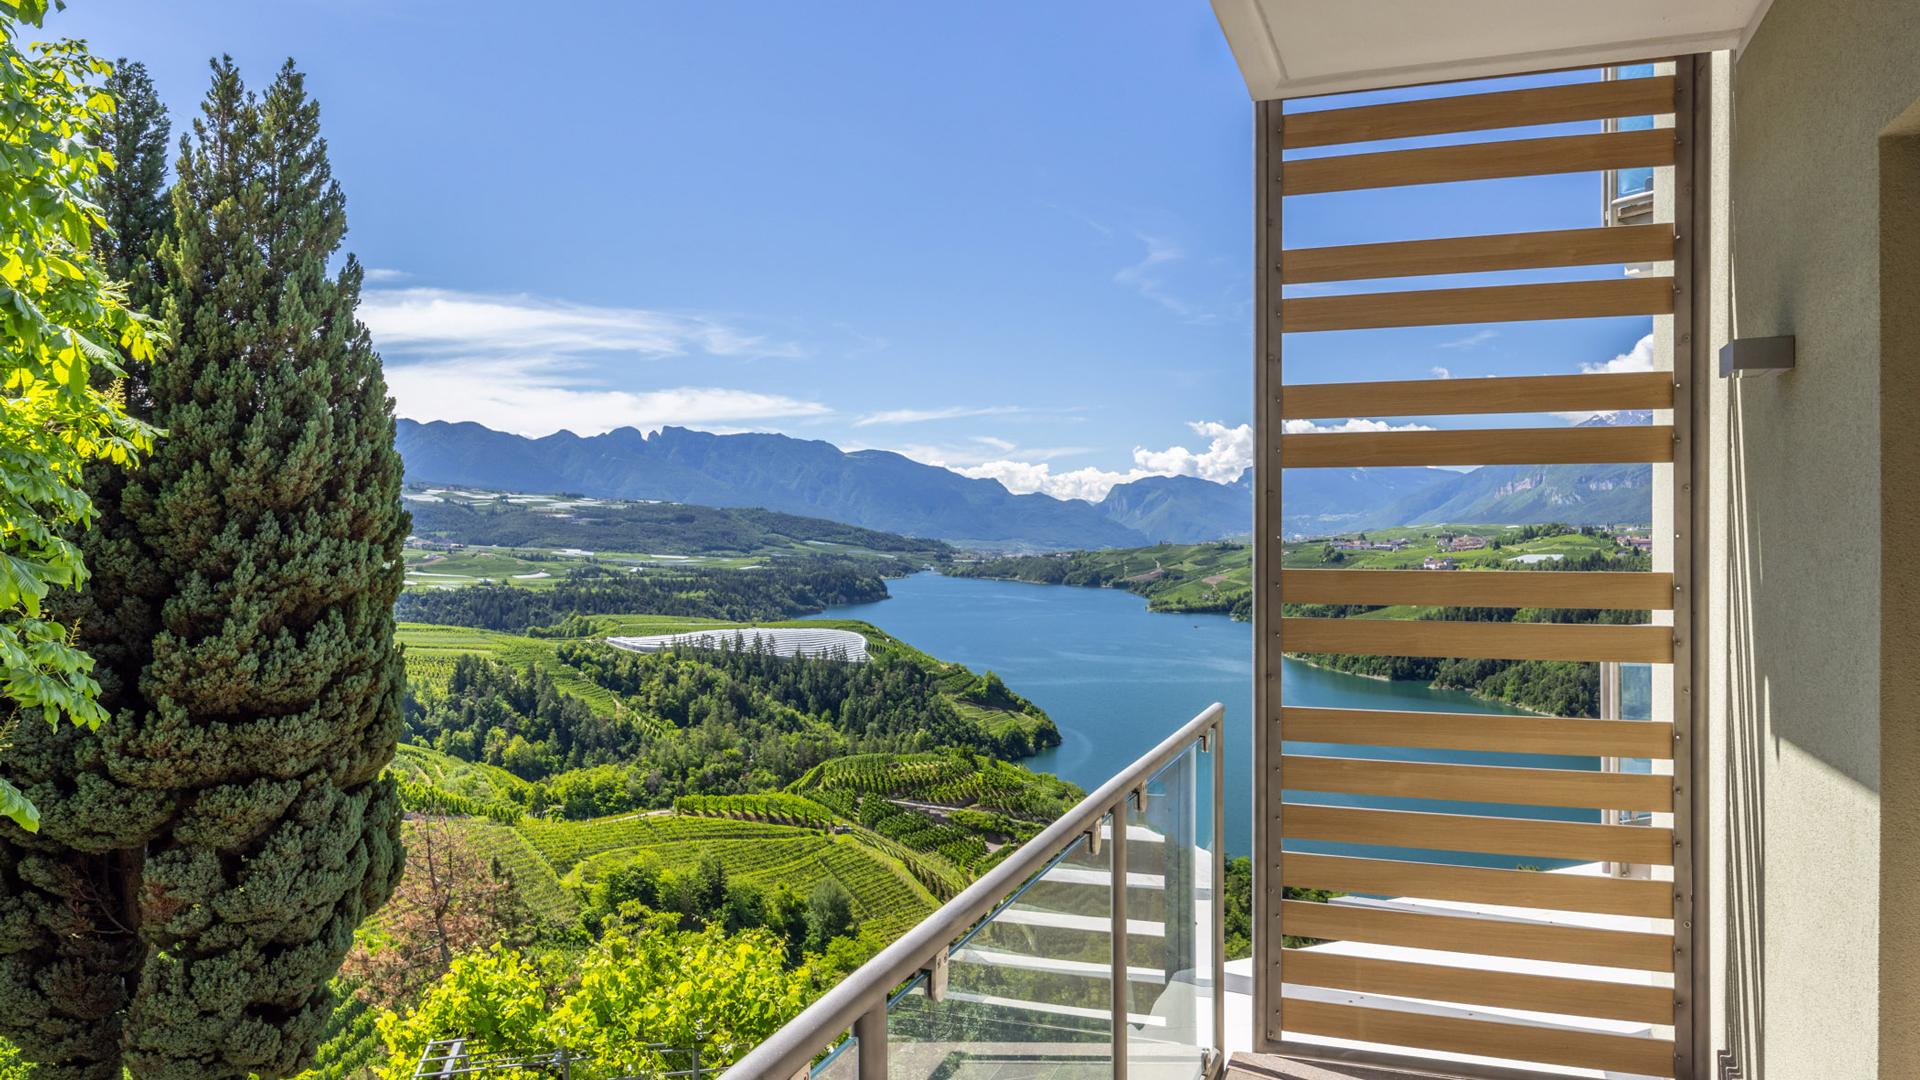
1745, 741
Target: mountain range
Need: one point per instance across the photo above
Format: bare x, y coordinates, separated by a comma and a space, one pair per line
879, 489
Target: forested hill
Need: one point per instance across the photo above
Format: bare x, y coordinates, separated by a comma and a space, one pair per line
778, 591
505, 520
1214, 577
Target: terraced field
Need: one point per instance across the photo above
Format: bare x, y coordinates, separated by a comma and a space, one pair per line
548, 858
533, 875
564, 844
488, 783
431, 651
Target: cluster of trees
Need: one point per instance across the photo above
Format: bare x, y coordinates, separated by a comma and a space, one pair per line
661, 528
1139, 571
182, 869
637, 987
682, 957
695, 722
780, 590
888, 702
512, 716
818, 925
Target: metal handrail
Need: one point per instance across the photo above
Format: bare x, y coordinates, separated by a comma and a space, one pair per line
859, 1001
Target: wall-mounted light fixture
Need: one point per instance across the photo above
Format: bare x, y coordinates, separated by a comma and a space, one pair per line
1756, 356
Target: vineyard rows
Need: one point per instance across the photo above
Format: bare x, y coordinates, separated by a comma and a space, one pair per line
533, 876
425, 798
349, 1043
565, 843
886, 897
778, 808
745, 859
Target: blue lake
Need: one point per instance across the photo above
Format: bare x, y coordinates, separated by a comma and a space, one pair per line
1117, 679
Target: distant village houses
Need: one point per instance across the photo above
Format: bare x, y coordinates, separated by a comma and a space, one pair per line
1466, 543
1368, 545
1436, 563
1637, 543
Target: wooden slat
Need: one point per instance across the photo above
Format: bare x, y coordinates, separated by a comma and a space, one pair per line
1483, 1038
1522, 837
1459, 397
1604, 298
1480, 588
1481, 112
1487, 937
1470, 986
1477, 783
1479, 885
1479, 161
1471, 731
1644, 644
1479, 254
1503, 446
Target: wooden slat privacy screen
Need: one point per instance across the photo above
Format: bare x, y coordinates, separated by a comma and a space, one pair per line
1430, 871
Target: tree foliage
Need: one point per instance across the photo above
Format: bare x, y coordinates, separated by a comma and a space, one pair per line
133, 196
61, 320
638, 987
497, 1000
781, 591
207, 855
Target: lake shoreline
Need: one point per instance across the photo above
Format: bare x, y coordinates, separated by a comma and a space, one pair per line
1116, 677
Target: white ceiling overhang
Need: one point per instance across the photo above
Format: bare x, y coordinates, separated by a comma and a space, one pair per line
1296, 48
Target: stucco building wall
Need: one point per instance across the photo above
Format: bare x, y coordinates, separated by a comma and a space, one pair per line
1819, 651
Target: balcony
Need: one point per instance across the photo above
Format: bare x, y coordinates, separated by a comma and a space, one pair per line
1095, 950
1017, 976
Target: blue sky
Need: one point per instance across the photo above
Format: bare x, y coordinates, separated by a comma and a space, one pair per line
1008, 237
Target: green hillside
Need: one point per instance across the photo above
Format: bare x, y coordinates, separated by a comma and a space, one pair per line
642, 528
1214, 577
431, 651
1218, 577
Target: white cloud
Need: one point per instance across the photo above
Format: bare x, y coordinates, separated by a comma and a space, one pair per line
1308, 427
539, 398
440, 322
975, 451
1638, 358
1440, 372
919, 416
534, 366
1478, 337
1229, 452
1025, 477
384, 273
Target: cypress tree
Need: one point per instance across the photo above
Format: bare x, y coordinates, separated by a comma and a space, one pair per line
133, 197
206, 854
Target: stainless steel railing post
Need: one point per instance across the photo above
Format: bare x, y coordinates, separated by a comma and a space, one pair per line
1219, 748
870, 1031
860, 999
1117, 846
